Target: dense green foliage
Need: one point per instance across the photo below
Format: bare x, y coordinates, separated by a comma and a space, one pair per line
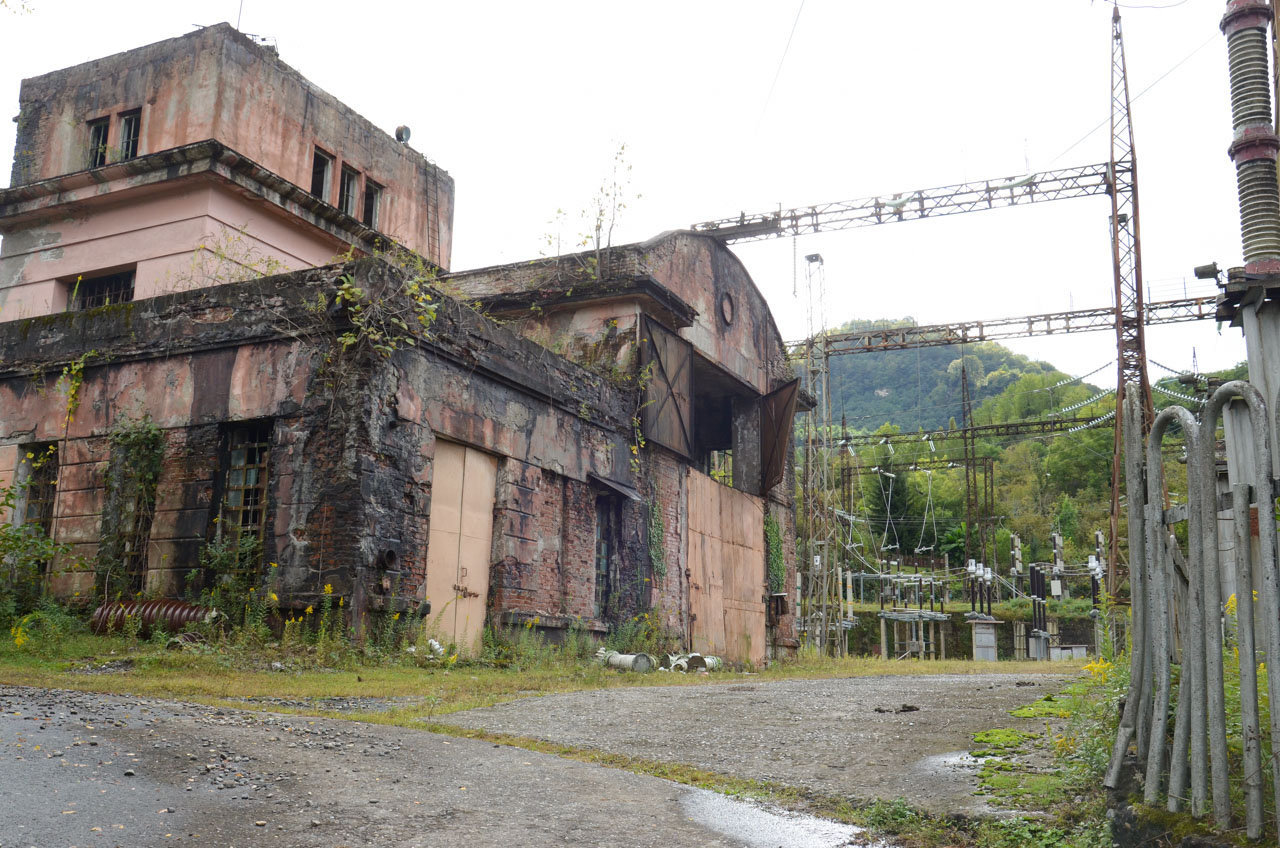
921, 387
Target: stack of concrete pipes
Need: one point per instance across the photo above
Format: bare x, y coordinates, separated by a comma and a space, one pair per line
1190, 760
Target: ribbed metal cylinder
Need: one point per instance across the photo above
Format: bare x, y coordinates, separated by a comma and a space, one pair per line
1255, 144
1250, 79
1259, 209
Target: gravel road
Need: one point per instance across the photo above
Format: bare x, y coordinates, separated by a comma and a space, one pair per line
91, 770
849, 737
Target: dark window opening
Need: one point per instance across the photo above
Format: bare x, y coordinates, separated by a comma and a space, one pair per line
98, 142
40, 486
244, 491
130, 129
101, 291
321, 167
348, 190
720, 466
606, 534
372, 203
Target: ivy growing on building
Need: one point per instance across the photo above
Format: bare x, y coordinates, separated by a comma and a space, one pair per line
777, 565
133, 473
657, 551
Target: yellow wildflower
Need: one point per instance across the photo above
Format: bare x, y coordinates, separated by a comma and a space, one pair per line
328, 588
395, 617
274, 596
275, 565
310, 609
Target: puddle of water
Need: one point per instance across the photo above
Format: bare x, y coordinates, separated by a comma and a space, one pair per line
953, 761
757, 826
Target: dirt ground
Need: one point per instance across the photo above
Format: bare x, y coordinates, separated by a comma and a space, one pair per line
99, 771
852, 737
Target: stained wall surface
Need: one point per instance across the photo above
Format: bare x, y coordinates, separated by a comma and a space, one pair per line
218, 84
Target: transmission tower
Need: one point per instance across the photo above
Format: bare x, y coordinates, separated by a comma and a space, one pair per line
1126, 259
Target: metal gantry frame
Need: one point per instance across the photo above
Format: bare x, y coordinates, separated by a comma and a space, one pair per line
1116, 178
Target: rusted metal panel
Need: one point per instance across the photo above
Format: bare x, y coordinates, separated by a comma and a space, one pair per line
777, 409
464, 485
726, 570
667, 416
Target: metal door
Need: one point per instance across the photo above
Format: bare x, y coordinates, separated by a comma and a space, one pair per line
458, 548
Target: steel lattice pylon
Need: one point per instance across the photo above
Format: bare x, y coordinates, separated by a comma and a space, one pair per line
1126, 260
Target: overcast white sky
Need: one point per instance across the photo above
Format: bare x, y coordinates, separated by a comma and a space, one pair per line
524, 103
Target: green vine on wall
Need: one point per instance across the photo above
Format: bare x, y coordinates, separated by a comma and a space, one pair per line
777, 565
133, 474
657, 534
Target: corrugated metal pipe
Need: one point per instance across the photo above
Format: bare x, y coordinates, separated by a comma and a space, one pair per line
172, 615
1254, 144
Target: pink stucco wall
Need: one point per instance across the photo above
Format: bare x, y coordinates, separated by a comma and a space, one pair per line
177, 235
217, 84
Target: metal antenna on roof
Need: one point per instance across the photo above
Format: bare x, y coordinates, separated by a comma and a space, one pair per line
239, 14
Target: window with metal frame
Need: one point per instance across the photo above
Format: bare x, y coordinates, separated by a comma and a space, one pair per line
98, 129
100, 291
40, 491
244, 498
372, 203
130, 130
606, 534
321, 168
348, 190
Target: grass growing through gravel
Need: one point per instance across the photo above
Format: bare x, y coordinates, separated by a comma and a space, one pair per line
141, 668
227, 676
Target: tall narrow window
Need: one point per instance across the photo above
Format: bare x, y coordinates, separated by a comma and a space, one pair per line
39, 470
130, 129
244, 502
372, 203
321, 168
348, 190
606, 532
98, 142
100, 291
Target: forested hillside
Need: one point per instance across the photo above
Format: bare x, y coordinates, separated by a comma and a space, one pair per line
921, 387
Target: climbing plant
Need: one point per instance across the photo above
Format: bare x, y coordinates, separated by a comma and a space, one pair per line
657, 551
777, 564
133, 472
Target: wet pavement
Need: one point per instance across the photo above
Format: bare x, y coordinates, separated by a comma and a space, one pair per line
89, 770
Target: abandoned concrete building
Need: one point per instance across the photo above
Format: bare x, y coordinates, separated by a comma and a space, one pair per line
198, 238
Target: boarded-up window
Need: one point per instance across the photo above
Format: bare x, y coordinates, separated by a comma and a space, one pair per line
667, 416
777, 410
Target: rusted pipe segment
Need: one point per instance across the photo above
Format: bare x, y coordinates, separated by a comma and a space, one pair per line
1248, 662
173, 615
1270, 595
1189, 723
1131, 718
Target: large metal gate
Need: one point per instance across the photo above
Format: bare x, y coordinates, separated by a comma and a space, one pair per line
726, 570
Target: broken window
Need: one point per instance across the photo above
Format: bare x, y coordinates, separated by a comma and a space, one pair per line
606, 533
720, 466
130, 129
101, 291
98, 142
372, 202
244, 498
348, 190
38, 485
321, 167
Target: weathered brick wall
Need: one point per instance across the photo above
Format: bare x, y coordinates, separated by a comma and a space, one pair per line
666, 479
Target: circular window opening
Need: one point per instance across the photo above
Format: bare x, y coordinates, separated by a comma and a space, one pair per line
726, 307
